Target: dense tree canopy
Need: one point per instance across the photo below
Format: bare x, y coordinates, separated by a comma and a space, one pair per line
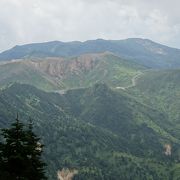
20, 153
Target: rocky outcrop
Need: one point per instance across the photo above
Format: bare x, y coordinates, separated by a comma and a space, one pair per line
61, 67
66, 174
168, 149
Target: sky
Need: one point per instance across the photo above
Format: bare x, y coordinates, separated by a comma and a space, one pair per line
29, 21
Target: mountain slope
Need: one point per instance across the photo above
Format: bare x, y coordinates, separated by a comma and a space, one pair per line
64, 73
161, 89
117, 112
91, 145
143, 51
23, 73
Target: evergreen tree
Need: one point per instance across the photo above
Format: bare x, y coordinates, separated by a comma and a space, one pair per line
34, 151
20, 154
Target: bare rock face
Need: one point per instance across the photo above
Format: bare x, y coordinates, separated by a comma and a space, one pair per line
61, 67
66, 174
168, 149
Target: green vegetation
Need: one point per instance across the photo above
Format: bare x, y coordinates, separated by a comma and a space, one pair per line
114, 119
22, 73
20, 154
161, 89
96, 131
69, 73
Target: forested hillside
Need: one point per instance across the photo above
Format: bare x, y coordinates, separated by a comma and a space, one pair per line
84, 130
161, 89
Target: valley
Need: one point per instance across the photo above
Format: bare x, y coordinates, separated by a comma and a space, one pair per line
104, 109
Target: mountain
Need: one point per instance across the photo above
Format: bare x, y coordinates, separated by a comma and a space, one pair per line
161, 89
117, 112
52, 74
21, 72
97, 131
142, 51
104, 109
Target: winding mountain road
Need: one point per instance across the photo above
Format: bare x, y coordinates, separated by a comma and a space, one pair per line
133, 80
133, 84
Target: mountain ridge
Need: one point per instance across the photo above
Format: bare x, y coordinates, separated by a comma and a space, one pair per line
64, 73
142, 51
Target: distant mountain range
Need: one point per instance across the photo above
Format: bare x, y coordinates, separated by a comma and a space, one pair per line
141, 51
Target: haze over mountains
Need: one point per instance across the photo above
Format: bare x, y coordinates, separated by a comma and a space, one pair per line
142, 51
108, 109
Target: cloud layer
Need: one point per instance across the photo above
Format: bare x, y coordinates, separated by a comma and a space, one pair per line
27, 21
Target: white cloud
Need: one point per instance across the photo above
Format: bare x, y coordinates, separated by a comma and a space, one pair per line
26, 21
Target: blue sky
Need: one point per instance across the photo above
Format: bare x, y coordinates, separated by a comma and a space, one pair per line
27, 21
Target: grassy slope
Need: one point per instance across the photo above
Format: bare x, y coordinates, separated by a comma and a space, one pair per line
21, 73
106, 68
